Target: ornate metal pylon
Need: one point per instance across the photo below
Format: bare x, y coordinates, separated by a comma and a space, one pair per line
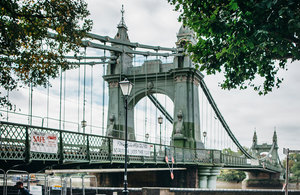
178, 80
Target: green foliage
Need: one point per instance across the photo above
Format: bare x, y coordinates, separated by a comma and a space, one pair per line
228, 151
241, 153
295, 167
232, 175
233, 153
244, 39
27, 53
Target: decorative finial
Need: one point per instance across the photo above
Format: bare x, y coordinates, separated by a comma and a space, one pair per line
122, 11
275, 135
122, 22
254, 140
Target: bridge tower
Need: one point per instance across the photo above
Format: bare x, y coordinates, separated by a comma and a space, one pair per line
267, 154
271, 149
179, 80
171, 79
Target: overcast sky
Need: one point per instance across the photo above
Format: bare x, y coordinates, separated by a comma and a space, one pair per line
155, 22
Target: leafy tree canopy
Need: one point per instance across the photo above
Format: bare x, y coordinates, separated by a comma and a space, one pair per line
27, 54
294, 164
229, 151
245, 39
296, 169
232, 175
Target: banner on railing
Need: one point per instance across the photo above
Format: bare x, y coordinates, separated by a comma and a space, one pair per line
134, 148
43, 142
254, 162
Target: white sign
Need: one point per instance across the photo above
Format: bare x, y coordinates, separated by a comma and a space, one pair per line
254, 162
43, 142
36, 190
134, 148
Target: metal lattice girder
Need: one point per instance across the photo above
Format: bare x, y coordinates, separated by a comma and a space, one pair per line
90, 57
86, 43
131, 44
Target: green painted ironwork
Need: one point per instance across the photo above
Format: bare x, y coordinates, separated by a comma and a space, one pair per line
77, 147
221, 119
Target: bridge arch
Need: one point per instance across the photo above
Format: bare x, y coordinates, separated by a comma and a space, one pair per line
143, 92
146, 119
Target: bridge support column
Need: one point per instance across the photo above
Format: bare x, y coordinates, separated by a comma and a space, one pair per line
208, 177
203, 173
212, 178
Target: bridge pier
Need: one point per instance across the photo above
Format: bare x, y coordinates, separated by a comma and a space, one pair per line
262, 180
203, 174
208, 177
212, 178
192, 177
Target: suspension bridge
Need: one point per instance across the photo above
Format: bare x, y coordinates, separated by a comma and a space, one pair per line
78, 127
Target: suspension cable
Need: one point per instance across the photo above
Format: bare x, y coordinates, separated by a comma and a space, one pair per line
7, 94
60, 97
84, 86
48, 99
165, 104
134, 89
156, 116
220, 117
78, 98
146, 102
206, 123
91, 94
103, 91
64, 108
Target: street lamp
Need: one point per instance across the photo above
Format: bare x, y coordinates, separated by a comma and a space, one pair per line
204, 135
147, 136
126, 87
160, 121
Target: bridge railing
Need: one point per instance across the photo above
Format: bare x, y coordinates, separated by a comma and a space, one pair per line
233, 160
270, 166
15, 144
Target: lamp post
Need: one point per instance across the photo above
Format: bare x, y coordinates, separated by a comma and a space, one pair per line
204, 136
160, 121
126, 87
147, 136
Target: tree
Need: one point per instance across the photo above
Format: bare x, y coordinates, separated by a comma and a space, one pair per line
241, 153
296, 171
294, 167
232, 175
28, 54
228, 151
244, 39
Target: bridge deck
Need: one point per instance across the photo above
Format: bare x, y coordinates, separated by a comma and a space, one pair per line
78, 149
